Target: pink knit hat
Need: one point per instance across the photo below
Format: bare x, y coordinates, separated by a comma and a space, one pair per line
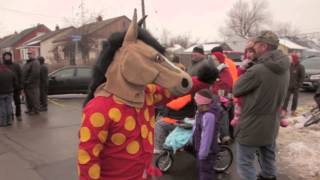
202, 100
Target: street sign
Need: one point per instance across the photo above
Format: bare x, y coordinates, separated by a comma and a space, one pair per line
75, 38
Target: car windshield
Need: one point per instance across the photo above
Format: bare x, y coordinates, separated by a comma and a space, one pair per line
312, 63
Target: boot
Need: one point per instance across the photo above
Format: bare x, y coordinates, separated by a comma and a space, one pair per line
263, 178
294, 114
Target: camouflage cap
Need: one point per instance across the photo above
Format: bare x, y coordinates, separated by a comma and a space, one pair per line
268, 37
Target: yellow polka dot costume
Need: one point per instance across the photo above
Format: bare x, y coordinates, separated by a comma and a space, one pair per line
116, 139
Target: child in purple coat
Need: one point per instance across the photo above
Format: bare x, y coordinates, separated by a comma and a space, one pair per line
205, 134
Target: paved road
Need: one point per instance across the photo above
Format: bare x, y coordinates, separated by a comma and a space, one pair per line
44, 147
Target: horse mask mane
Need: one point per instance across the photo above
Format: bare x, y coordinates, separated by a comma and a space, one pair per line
129, 61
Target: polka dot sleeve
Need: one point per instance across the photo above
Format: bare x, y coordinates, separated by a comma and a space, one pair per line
156, 95
93, 134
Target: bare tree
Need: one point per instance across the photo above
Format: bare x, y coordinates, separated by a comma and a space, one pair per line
246, 18
184, 40
285, 29
164, 37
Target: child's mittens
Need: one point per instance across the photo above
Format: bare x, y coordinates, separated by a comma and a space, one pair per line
245, 64
234, 122
284, 123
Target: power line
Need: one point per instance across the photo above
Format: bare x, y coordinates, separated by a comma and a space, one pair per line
29, 13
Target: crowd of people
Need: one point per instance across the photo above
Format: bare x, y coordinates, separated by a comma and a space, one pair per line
258, 89
30, 80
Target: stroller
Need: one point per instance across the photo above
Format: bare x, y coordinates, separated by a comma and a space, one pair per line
179, 139
313, 117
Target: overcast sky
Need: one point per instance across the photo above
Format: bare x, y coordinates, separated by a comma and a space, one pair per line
199, 18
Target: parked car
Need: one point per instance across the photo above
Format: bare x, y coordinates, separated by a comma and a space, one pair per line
312, 68
70, 80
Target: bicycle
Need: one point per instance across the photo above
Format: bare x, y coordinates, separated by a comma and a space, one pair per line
313, 117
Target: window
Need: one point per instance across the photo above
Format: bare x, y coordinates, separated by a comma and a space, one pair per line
84, 72
65, 73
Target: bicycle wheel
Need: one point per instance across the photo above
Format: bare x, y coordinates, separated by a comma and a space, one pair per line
164, 161
312, 120
224, 159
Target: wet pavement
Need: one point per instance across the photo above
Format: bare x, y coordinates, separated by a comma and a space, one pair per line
44, 147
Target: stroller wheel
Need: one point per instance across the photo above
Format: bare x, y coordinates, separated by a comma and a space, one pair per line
164, 161
224, 159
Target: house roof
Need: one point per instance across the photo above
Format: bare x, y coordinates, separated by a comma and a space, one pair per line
89, 28
14, 38
206, 47
237, 43
291, 45
311, 43
46, 36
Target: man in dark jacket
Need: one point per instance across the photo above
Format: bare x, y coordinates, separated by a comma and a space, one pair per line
43, 84
297, 74
263, 88
31, 83
7, 81
16, 69
197, 59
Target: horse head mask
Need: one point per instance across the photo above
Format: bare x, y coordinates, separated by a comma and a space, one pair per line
136, 64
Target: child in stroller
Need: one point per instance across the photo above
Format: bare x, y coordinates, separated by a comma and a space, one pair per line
180, 139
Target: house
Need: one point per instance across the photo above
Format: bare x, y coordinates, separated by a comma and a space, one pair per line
312, 44
44, 44
12, 42
288, 46
82, 45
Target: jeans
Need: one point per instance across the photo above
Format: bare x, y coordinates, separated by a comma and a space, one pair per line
246, 157
224, 124
162, 130
295, 93
43, 97
32, 99
205, 167
6, 112
17, 102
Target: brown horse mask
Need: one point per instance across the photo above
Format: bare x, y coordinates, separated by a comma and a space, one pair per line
136, 65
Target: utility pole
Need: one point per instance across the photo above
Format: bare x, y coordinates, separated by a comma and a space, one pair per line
143, 13
82, 12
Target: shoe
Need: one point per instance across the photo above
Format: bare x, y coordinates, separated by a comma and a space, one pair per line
33, 113
6, 125
18, 118
157, 151
294, 114
27, 112
226, 140
263, 178
284, 113
43, 109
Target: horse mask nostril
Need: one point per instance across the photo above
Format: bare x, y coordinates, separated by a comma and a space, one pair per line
185, 83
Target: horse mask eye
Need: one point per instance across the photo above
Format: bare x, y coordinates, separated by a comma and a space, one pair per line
158, 59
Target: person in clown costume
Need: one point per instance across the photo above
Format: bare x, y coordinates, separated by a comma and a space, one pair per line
130, 78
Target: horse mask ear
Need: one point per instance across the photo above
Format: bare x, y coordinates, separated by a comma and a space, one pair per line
132, 33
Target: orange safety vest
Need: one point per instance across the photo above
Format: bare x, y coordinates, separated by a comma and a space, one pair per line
232, 68
176, 104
